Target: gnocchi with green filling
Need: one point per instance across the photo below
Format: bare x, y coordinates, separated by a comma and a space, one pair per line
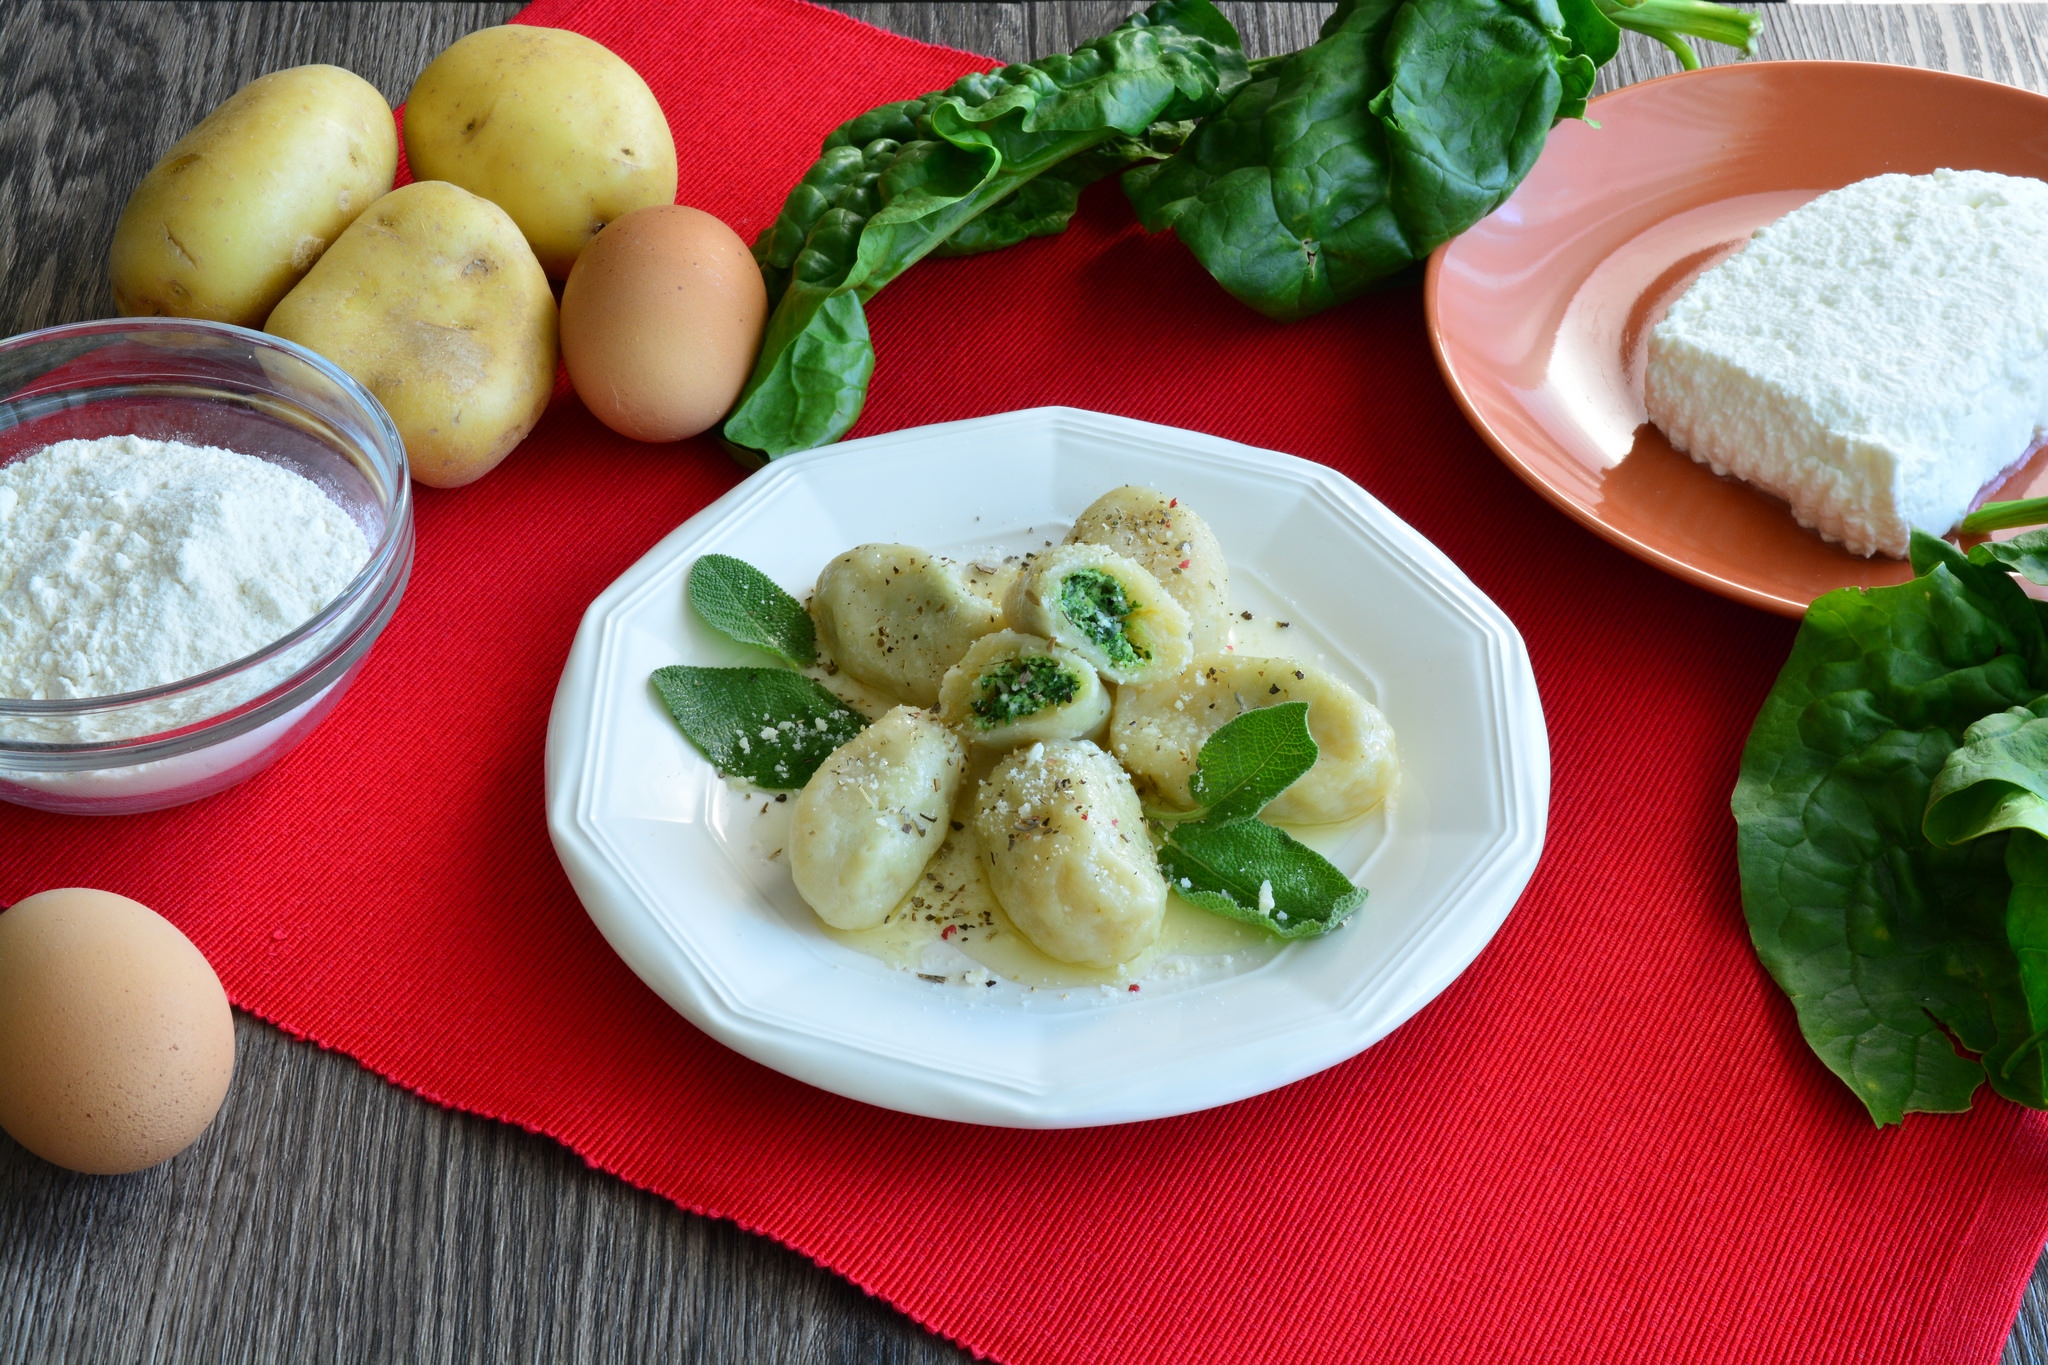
1174, 545
896, 617
1073, 685
1011, 688
1107, 609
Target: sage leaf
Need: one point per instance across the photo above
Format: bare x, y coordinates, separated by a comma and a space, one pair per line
767, 725
1251, 759
1255, 872
747, 605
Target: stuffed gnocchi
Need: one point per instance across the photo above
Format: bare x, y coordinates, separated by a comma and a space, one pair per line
873, 815
1075, 682
1174, 545
896, 618
1011, 688
1064, 845
1106, 608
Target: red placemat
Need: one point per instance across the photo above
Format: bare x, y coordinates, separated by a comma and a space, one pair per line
1604, 1142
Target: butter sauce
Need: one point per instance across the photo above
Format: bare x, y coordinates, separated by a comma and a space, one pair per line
950, 930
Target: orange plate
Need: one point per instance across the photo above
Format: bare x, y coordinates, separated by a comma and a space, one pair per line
1540, 314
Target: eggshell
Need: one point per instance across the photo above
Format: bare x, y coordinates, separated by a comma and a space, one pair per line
116, 1040
661, 319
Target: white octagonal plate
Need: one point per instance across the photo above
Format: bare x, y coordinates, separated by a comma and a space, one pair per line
667, 858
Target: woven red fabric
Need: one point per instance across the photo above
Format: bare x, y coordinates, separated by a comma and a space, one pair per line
1605, 1141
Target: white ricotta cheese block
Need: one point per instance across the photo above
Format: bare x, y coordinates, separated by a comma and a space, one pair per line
1875, 357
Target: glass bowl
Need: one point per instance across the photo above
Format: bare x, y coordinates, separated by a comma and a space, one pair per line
203, 383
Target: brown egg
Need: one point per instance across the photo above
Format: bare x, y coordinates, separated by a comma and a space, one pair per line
661, 318
116, 1041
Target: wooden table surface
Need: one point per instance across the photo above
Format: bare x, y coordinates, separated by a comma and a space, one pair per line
327, 1215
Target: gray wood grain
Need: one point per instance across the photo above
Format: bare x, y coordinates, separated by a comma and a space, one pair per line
327, 1215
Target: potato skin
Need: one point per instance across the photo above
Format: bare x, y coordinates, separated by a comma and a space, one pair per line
433, 302
241, 207
551, 126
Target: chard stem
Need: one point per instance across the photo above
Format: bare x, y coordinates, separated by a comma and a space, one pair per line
1671, 22
2003, 516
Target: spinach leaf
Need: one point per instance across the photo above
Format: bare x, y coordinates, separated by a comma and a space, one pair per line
1894, 945
894, 184
1342, 167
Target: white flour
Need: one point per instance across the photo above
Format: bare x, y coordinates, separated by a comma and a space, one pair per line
128, 563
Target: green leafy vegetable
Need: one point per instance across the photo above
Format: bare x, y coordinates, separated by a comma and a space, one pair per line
1343, 166
1885, 816
1021, 687
1224, 860
1252, 871
768, 725
894, 184
738, 599
1098, 606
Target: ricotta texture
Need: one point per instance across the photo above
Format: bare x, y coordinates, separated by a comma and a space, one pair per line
1875, 357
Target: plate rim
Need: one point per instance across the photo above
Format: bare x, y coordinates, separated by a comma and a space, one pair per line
1657, 87
1414, 976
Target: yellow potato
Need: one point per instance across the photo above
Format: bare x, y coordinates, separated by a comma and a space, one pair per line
433, 302
549, 125
240, 207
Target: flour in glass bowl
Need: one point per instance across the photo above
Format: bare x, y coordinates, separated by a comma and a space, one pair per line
128, 563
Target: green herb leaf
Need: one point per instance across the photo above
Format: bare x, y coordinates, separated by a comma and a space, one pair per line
738, 599
768, 725
1249, 870
2025, 554
1251, 759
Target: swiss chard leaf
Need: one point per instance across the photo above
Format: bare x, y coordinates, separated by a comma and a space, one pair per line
747, 605
896, 183
1255, 872
768, 725
1892, 947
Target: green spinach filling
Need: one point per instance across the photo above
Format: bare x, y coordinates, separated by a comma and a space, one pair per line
1016, 688
1098, 606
